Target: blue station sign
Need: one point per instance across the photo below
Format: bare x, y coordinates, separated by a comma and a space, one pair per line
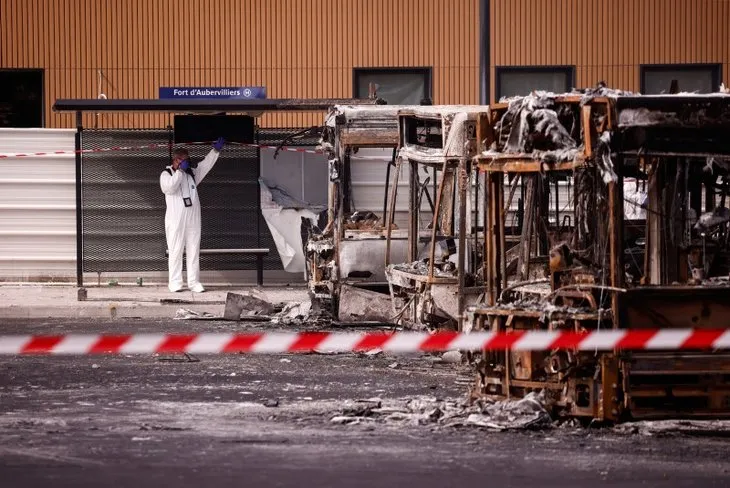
213, 92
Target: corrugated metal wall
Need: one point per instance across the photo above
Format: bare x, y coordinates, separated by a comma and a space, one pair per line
296, 48
609, 39
38, 206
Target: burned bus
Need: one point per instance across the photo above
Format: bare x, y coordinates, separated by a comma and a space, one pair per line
599, 269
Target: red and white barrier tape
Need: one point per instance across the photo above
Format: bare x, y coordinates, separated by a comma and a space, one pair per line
215, 343
154, 146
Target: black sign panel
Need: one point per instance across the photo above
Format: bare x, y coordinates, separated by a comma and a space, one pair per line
201, 128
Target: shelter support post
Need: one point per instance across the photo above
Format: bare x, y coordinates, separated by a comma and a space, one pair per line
79, 209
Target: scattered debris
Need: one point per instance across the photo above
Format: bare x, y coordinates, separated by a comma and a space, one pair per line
528, 413
701, 428
271, 403
187, 314
344, 420
373, 352
359, 305
714, 218
285, 360
365, 220
163, 427
293, 313
393, 365
178, 358
327, 353
236, 304
451, 357
360, 409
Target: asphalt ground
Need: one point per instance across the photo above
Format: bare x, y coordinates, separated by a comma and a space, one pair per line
267, 420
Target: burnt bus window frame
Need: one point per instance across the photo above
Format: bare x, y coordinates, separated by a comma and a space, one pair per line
715, 70
499, 71
425, 71
42, 93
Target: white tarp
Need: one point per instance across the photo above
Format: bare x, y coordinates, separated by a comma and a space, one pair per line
283, 215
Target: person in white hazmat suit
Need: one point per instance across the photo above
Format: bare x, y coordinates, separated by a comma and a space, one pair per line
179, 182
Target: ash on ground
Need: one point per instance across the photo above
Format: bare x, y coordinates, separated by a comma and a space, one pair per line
528, 413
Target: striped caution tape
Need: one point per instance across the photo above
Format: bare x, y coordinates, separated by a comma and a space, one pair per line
302, 342
155, 146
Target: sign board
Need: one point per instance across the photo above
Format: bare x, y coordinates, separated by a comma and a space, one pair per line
213, 92
234, 128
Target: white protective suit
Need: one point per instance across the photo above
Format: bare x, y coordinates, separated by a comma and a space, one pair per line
182, 224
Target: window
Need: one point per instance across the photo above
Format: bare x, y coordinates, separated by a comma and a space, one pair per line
21, 99
523, 80
397, 86
702, 78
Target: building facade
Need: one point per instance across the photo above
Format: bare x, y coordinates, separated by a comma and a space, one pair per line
453, 52
636, 45
294, 48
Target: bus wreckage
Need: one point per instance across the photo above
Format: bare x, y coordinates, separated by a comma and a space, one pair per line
599, 266
431, 288
361, 254
345, 260
591, 210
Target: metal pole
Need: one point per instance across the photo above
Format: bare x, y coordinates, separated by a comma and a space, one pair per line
259, 262
463, 183
387, 180
79, 209
485, 44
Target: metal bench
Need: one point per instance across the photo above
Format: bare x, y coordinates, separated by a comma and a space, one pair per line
258, 252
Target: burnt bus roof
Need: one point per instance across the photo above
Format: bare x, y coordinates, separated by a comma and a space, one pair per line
684, 125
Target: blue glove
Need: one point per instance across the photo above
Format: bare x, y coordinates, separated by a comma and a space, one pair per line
218, 145
185, 165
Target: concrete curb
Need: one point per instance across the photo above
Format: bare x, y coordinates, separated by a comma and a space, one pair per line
109, 303
104, 310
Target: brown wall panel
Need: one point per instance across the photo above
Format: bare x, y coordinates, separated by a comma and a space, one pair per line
296, 48
307, 48
609, 40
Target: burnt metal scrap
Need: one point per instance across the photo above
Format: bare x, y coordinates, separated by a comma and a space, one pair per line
349, 250
592, 264
683, 125
311, 132
545, 125
430, 288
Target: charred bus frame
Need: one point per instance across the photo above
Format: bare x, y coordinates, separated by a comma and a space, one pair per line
427, 290
594, 274
343, 254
